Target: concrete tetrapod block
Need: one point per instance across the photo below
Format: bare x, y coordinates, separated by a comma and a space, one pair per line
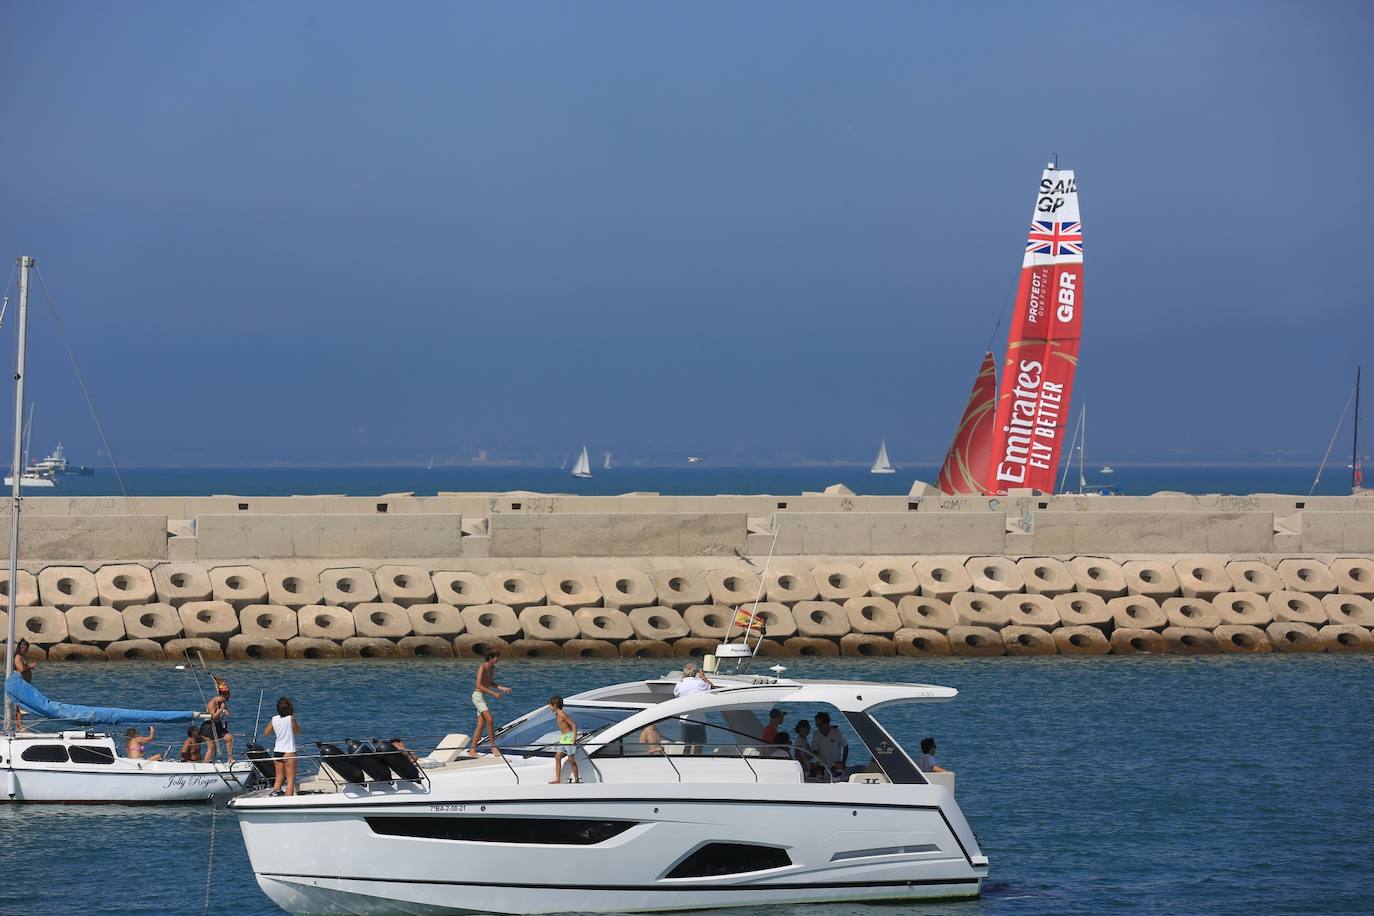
238, 585
1353, 575
875, 616
918, 642
1201, 577
177, 583
1291, 636
976, 641
731, 587
460, 589
72, 652
657, 623
424, 647
1190, 641
867, 645
551, 623
1296, 607
370, 647
890, 577
269, 620
1021, 640
942, 577
1083, 609
441, 620
471, 645
41, 626
158, 622
94, 625
516, 589
1081, 640
695, 647
314, 647
708, 621
1032, 610
589, 648
1242, 638
1191, 612
839, 582
1138, 612
1243, 609
809, 647
645, 648
790, 582
1253, 576
242, 646
348, 586
1132, 641
490, 620
534, 648
571, 589
1339, 637
1297, 575
1098, 576
123, 584
131, 650
918, 612
1349, 610
972, 609
296, 586
820, 619
27, 595
769, 648
603, 624
194, 648
680, 588
325, 621
403, 585
1045, 576
381, 620
1151, 578
66, 587
624, 588
994, 575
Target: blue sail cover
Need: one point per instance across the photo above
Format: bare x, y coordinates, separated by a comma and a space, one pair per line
32, 700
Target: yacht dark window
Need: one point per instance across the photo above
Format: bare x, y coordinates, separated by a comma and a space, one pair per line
538, 830
729, 859
82, 754
45, 753
536, 735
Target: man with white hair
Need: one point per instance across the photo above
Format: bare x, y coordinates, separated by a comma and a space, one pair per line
693, 681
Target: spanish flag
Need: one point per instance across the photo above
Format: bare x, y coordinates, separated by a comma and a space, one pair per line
748, 620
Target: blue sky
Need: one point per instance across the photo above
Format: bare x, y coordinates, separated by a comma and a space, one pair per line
337, 233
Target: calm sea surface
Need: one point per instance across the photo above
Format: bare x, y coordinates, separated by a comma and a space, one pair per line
1157, 785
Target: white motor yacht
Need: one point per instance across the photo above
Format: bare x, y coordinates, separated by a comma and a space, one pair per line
695, 812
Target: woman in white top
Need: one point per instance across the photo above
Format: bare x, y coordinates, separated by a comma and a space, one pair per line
285, 728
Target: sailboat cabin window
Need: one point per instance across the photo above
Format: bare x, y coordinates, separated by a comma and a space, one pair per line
82, 754
45, 753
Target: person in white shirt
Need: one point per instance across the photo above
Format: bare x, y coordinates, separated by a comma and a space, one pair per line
693, 681
284, 728
829, 744
926, 762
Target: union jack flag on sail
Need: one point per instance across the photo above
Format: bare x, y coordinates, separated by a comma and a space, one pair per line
1055, 239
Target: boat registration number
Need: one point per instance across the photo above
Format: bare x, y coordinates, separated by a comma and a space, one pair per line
448, 807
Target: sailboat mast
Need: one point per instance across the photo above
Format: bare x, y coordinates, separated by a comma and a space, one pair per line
1082, 447
25, 263
1356, 472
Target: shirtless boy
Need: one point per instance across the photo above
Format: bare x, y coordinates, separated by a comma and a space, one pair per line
567, 741
486, 687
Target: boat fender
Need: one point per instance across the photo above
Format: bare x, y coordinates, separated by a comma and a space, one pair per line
339, 762
262, 761
366, 757
396, 759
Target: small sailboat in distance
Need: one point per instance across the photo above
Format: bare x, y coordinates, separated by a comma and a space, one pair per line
583, 468
881, 464
606, 461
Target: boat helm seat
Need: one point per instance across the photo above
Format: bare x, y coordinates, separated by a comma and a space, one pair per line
446, 752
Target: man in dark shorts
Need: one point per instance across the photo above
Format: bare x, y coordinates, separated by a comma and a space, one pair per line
217, 725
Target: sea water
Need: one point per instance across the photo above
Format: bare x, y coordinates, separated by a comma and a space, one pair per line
1221, 784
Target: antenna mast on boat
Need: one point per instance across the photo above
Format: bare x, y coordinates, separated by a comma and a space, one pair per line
1356, 472
16, 468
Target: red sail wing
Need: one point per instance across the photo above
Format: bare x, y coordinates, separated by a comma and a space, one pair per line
966, 465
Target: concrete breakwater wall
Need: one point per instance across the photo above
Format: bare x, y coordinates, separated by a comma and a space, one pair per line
916, 606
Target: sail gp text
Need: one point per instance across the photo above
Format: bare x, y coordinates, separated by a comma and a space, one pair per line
1054, 194
1033, 428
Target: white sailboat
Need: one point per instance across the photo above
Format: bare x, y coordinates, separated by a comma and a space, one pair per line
583, 468
606, 461
82, 765
32, 476
881, 464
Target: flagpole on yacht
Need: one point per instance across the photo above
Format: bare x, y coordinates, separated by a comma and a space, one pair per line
25, 263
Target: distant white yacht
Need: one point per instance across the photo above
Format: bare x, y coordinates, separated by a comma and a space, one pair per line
1107, 469
583, 468
881, 464
695, 459
30, 479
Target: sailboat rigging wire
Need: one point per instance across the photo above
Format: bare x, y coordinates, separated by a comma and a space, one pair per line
4, 306
1004, 310
1064, 478
763, 581
95, 415
1339, 423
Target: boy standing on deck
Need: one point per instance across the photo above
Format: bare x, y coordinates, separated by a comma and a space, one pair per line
486, 687
567, 741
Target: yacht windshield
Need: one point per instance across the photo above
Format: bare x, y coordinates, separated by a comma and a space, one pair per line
538, 733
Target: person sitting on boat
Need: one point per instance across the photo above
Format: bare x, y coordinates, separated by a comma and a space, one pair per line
926, 762
832, 750
192, 749
216, 726
567, 741
24, 668
651, 740
801, 744
781, 748
401, 746
133, 744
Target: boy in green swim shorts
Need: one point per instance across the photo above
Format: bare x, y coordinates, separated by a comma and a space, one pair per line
567, 741
486, 686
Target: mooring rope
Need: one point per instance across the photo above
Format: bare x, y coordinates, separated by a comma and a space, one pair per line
210, 866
